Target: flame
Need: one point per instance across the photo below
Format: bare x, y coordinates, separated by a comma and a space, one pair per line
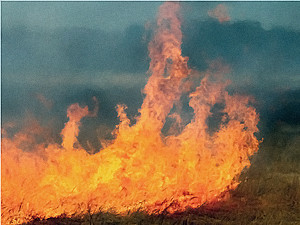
220, 13
141, 168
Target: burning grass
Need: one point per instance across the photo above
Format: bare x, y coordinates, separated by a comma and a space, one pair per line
269, 193
167, 176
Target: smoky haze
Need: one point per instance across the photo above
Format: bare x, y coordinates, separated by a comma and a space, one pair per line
44, 70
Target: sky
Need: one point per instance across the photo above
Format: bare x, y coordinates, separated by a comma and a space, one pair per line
119, 15
70, 51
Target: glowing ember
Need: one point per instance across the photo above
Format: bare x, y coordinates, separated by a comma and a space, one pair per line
142, 168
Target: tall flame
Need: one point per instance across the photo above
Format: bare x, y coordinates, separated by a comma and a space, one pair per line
142, 168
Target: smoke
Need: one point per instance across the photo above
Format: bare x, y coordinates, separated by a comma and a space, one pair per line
44, 101
74, 64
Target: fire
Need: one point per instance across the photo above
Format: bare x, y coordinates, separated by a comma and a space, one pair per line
220, 13
142, 167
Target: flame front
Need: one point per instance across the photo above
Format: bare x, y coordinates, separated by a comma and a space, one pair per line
142, 167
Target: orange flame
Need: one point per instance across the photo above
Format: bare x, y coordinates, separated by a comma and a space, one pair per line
142, 168
220, 13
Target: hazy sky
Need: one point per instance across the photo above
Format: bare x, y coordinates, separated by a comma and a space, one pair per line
105, 15
71, 51
119, 15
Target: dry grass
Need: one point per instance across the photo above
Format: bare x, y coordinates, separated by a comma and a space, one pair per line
269, 193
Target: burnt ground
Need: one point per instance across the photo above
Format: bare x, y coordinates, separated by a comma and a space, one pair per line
269, 192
